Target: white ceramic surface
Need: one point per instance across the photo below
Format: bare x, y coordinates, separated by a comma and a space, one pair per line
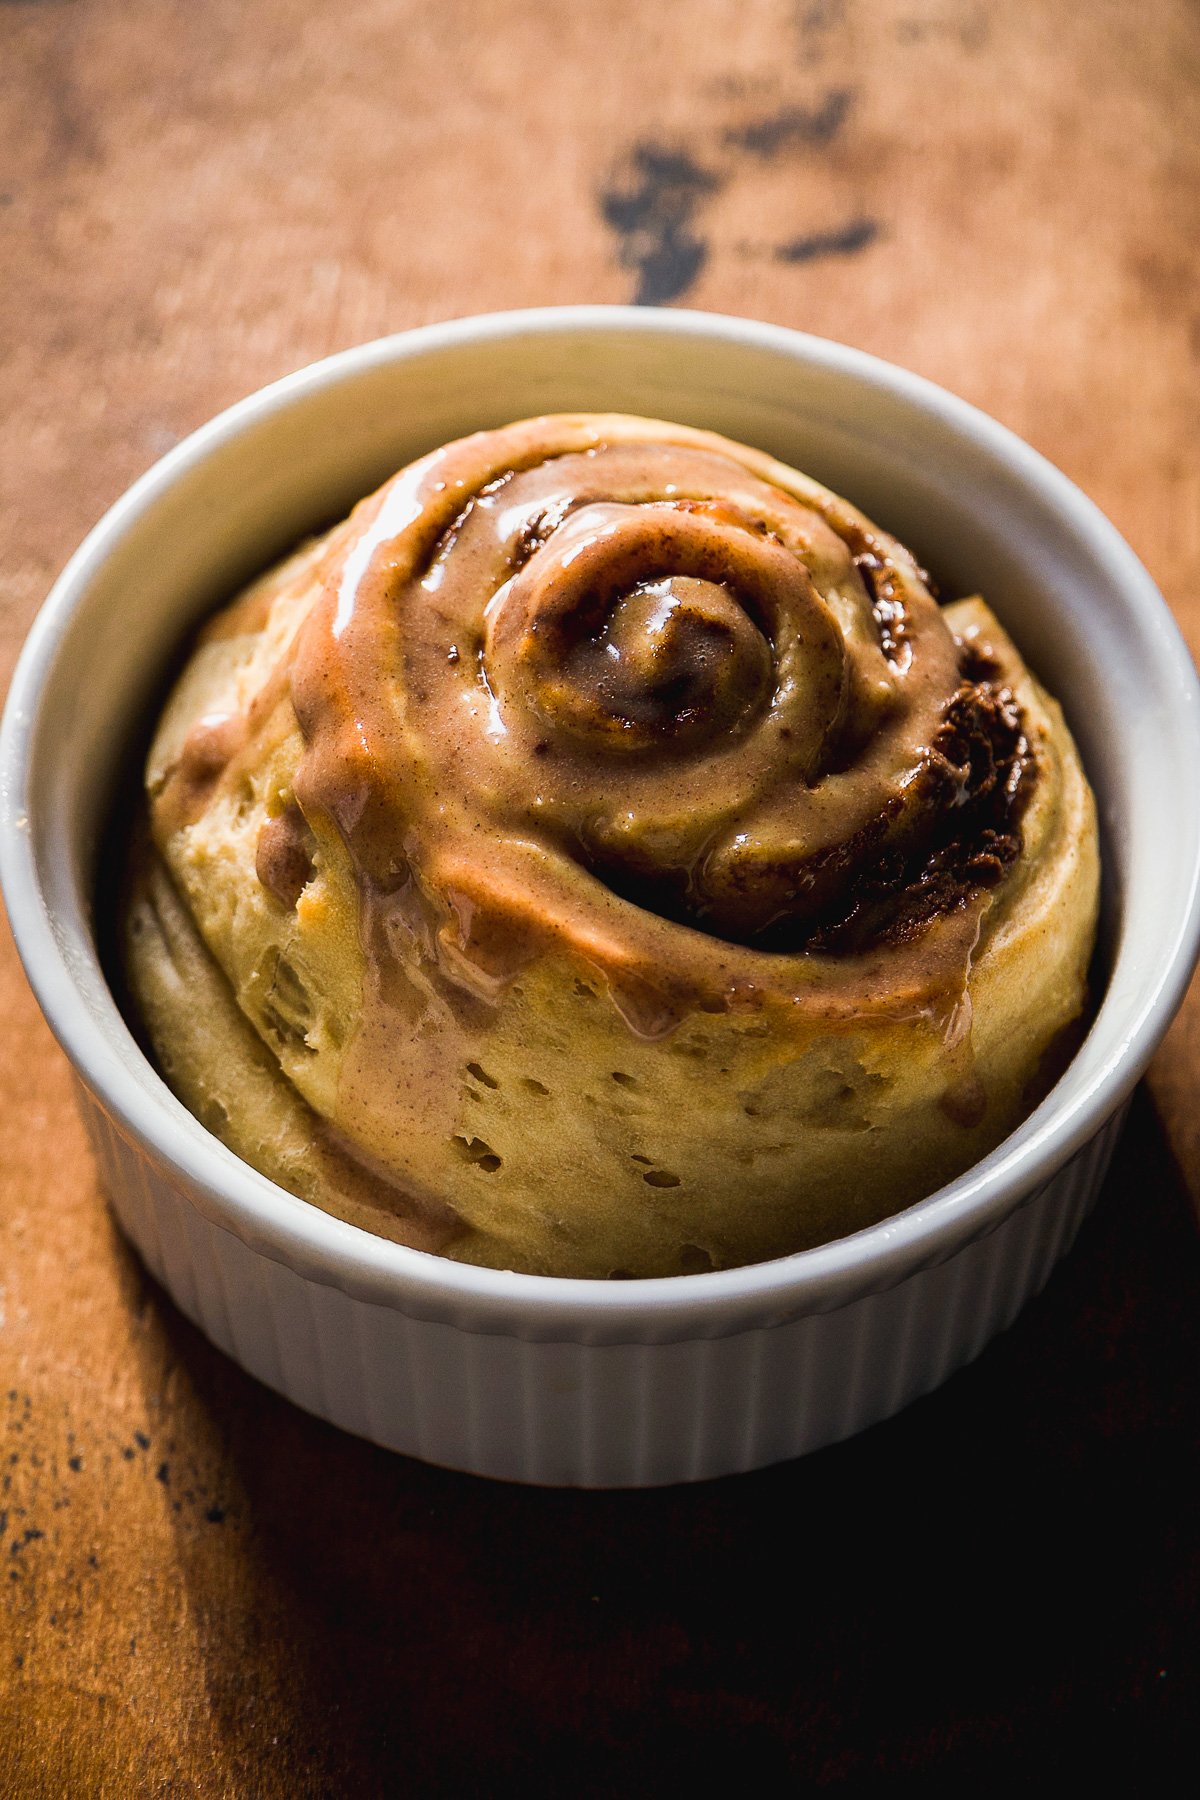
543, 1379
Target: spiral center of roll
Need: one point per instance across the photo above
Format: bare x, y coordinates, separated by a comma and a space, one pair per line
674, 657
652, 627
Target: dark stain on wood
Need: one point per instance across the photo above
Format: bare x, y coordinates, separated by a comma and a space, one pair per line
652, 206
793, 127
843, 240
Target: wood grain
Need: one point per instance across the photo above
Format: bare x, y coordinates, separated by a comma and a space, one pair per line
206, 1593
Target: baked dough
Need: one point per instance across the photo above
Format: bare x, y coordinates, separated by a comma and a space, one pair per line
601, 855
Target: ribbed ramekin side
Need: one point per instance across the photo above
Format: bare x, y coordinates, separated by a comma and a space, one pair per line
580, 1413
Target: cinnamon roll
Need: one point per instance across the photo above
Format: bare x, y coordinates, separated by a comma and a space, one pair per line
602, 855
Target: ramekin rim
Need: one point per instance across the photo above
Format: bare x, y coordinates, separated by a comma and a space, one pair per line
286, 1228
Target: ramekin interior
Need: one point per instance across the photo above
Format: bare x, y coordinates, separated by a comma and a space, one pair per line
977, 504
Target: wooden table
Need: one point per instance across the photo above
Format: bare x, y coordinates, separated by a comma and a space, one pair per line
207, 1593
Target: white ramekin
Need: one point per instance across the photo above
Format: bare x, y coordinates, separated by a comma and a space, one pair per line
550, 1380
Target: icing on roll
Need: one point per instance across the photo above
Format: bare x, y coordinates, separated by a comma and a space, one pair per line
603, 855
